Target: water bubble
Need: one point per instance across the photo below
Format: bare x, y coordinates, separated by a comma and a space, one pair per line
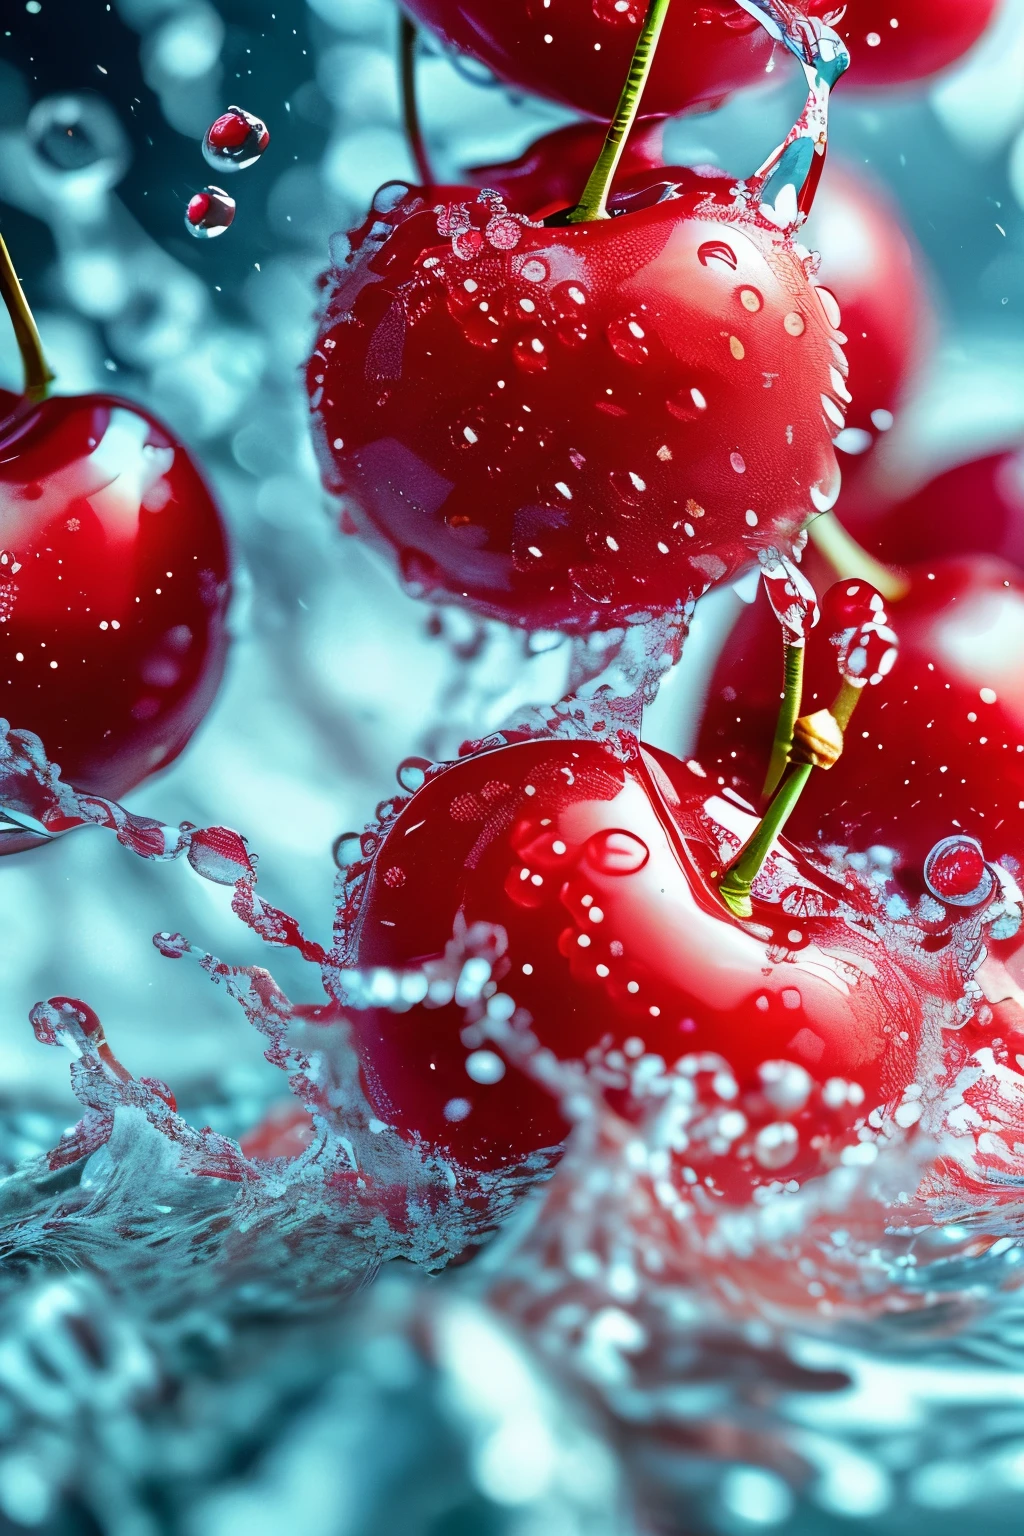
412, 773
955, 872
347, 849
776, 1145
616, 852
830, 305
531, 354
209, 213
76, 146
623, 12
751, 300
794, 323
867, 654
235, 140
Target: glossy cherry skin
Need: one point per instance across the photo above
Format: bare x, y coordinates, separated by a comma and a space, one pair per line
552, 173
562, 427
600, 871
114, 583
937, 749
873, 266
931, 35
977, 507
578, 51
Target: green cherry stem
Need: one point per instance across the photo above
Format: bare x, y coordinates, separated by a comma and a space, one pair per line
737, 882
407, 35
594, 202
38, 376
849, 560
788, 716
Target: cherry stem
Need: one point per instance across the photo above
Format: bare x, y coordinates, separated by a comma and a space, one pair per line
407, 36
735, 885
788, 716
594, 202
849, 560
38, 376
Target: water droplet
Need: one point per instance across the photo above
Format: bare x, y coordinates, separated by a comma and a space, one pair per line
738, 463
394, 877
751, 300
776, 1145
794, 323
412, 773
220, 855
717, 250
955, 872
616, 852
737, 348
346, 849
485, 1067
627, 337
235, 140
76, 146
209, 213
531, 354
620, 12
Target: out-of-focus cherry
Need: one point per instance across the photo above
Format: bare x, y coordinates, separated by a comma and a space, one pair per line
973, 508
938, 752
577, 51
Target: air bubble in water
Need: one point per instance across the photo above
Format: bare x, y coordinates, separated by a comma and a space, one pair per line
235, 140
209, 213
76, 146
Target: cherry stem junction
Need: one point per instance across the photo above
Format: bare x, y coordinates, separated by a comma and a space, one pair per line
850, 561
407, 38
788, 716
38, 376
735, 885
594, 202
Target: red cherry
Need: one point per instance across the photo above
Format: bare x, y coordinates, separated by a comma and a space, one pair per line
873, 266
620, 955
938, 751
229, 131
976, 507
850, 604
113, 588
562, 427
552, 173
578, 51
929, 36
285, 1131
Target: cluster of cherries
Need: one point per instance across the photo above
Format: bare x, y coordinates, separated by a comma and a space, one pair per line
580, 414
580, 402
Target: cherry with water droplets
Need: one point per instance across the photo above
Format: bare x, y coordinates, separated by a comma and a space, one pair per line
955, 872
235, 140
550, 424
209, 213
937, 752
600, 872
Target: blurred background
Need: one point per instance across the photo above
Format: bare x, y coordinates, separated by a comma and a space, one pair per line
335, 675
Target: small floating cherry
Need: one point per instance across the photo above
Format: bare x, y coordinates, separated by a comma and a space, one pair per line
235, 140
209, 213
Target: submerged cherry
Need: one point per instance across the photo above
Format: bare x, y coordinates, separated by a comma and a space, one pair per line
209, 213
601, 872
113, 585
